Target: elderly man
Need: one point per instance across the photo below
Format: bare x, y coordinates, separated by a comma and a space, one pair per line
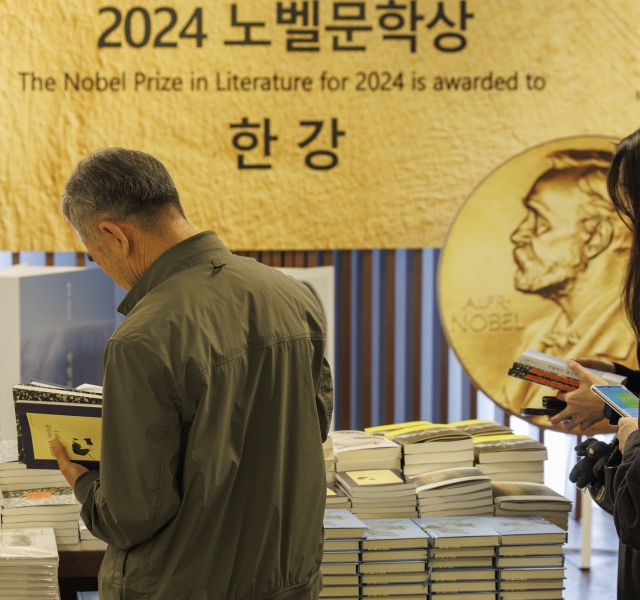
216, 401
571, 249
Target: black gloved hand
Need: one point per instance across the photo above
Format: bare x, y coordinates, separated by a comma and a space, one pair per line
592, 448
582, 473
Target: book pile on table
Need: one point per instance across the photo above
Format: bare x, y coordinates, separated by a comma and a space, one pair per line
336, 497
355, 451
88, 541
329, 460
428, 447
15, 476
513, 499
508, 457
28, 564
454, 492
45, 507
379, 494
553, 372
461, 557
394, 557
343, 535
530, 560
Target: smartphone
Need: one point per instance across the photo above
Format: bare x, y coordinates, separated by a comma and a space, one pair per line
536, 412
619, 398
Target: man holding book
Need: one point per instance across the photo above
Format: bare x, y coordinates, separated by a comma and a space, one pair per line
216, 400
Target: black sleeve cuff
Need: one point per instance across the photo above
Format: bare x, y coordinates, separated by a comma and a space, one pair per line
633, 377
633, 441
611, 414
83, 485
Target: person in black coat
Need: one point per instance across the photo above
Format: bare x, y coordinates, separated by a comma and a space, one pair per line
585, 409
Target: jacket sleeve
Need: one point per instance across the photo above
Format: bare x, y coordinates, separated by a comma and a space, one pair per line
627, 494
324, 398
633, 377
136, 491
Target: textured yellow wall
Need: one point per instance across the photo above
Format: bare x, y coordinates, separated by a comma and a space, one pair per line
408, 158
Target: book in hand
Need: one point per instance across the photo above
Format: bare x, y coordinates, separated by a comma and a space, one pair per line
551, 371
84, 448
76, 426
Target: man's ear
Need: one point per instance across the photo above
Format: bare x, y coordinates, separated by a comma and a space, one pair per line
600, 238
116, 236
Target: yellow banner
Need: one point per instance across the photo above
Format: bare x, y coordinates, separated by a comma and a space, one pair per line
301, 125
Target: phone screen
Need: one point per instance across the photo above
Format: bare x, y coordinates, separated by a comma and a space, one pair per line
621, 398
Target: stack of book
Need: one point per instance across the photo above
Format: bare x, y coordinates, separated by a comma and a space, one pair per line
50, 507
553, 372
428, 448
508, 457
530, 560
88, 541
356, 451
329, 460
379, 494
461, 560
29, 564
454, 492
15, 476
394, 558
514, 499
343, 535
336, 498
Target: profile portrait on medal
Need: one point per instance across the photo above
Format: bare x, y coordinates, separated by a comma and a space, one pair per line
535, 260
570, 249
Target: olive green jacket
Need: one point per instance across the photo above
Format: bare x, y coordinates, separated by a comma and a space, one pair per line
216, 401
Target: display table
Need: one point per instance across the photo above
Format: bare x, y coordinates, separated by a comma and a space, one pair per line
78, 572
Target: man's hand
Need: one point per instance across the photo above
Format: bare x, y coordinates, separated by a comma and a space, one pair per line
584, 408
70, 470
626, 426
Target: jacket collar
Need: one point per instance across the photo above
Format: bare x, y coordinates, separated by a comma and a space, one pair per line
202, 247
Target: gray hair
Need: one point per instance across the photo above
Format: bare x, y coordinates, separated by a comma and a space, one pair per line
116, 183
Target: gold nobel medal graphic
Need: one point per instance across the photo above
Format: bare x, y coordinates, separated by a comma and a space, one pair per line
535, 260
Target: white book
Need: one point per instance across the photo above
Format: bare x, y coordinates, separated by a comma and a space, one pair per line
367, 465
480, 511
60, 518
401, 502
460, 498
512, 467
414, 471
521, 477
442, 458
357, 445
456, 490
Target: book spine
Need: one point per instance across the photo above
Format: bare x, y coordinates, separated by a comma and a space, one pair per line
531, 361
540, 377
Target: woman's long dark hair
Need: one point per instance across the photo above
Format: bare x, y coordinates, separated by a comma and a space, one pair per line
623, 185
